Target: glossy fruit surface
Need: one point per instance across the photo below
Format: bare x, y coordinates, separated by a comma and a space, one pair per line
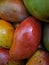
5, 58
6, 34
38, 8
27, 37
13, 10
46, 36
40, 46
39, 58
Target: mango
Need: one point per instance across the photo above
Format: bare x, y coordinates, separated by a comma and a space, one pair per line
13, 10
38, 8
40, 57
46, 36
6, 34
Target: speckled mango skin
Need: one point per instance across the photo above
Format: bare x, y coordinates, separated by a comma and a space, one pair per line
6, 34
40, 57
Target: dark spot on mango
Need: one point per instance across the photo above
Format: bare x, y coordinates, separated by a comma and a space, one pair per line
39, 61
7, 63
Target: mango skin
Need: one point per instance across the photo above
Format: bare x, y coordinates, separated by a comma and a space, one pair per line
38, 8
40, 57
13, 10
46, 36
5, 58
27, 37
6, 34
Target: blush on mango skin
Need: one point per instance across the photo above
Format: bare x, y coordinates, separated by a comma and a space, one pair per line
13, 10
40, 57
27, 37
6, 59
6, 34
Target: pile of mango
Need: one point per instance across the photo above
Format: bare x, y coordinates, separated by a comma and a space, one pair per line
24, 32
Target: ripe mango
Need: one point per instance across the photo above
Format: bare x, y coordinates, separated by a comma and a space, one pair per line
13, 10
40, 57
6, 34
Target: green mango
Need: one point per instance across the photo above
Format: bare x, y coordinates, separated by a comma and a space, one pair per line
38, 8
46, 36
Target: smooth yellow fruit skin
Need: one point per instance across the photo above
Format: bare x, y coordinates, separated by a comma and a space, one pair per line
33, 59
6, 34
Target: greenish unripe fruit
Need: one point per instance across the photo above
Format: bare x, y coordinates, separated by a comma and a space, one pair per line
38, 8
46, 36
